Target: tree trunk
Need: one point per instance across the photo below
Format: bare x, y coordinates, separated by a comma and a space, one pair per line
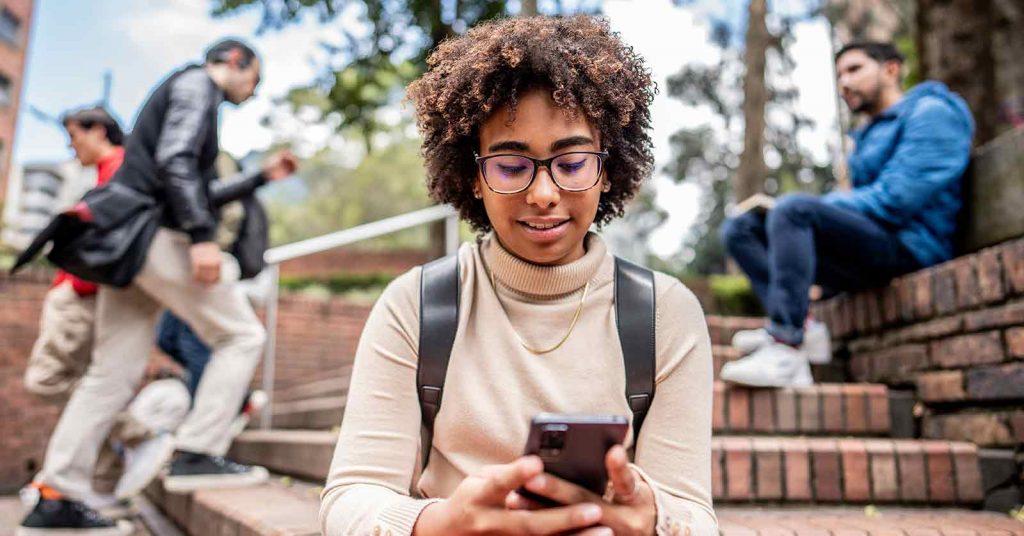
752, 170
954, 43
529, 8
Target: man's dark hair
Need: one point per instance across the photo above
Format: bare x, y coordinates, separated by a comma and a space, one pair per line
88, 118
586, 68
221, 52
876, 50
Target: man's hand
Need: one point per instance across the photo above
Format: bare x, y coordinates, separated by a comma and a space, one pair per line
205, 257
280, 165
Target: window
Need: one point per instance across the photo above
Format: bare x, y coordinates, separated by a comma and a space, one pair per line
10, 27
6, 91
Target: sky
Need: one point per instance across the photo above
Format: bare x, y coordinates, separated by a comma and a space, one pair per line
141, 41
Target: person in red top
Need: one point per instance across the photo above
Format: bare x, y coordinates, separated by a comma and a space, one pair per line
63, 349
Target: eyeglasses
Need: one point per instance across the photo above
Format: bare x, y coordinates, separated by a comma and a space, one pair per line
577, 171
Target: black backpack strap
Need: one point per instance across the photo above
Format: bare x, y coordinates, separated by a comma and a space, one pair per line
634, 314
439, 319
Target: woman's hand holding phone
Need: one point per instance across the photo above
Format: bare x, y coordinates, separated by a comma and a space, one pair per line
478, 506
630, 509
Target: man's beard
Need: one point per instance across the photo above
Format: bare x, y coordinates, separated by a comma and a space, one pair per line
868, 104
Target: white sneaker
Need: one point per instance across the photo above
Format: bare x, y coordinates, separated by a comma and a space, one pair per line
772, 365
817, 345
143, 464
253, 407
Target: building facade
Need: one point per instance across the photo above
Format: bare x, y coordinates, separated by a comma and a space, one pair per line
15, 22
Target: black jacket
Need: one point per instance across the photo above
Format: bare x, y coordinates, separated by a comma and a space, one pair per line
171, 152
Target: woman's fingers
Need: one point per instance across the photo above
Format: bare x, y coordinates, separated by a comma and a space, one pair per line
499, 480
515, 501
552, 520
558, 490
623, 480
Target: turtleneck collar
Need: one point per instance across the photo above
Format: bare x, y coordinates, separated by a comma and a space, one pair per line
539, 280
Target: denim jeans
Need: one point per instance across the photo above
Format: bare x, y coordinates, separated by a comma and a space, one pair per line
177, 340
803, 241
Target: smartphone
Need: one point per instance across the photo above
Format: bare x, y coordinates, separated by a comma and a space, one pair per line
573, 448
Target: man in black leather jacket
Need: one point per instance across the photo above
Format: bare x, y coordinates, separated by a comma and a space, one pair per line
169, 157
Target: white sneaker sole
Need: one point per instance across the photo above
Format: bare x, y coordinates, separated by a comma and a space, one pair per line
123, 528
188, 483
131, 485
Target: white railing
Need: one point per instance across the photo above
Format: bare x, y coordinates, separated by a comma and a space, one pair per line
275, 256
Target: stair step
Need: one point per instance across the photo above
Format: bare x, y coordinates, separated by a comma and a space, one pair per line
313, 413
722, 328
882, 521
330, 383
848, 470
745, 469
826, 408
272, 509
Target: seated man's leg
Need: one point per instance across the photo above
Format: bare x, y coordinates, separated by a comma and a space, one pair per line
62, 350
813, 241
124, 326
746, 241
222, 316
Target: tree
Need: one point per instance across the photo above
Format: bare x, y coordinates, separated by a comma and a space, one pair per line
367, 70
711, 155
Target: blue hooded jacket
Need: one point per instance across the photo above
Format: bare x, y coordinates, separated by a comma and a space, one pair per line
906, 168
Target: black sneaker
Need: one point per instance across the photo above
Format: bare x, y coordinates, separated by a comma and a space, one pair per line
63, 517
191, 471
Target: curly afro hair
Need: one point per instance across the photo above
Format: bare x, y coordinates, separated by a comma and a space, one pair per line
586, 67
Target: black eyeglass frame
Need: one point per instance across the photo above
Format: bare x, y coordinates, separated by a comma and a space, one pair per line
537, 164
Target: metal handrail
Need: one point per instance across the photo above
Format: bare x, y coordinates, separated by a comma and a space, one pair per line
311, 246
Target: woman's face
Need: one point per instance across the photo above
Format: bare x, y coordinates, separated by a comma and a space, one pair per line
542, 224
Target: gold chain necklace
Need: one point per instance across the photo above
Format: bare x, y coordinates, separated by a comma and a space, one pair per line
575, 318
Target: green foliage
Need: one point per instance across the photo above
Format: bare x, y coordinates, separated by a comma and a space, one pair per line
385, 183
733, 296
339, 283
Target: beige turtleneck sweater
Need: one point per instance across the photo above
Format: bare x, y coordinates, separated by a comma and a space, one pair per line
494, 387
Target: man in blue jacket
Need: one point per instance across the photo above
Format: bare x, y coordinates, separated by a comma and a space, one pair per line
899, 217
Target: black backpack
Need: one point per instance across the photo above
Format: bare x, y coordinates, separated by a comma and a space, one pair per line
439, 320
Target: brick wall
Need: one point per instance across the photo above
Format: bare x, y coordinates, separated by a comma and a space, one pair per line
954, 332
314, 337
354, 261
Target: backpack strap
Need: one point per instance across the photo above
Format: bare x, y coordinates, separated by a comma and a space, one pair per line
439, 319
634, 316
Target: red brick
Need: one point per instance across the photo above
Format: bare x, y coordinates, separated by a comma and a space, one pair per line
798, 470
926, 331
994, 383
768, 460
906, 292
968, 474
738, 468
1015, 342
856, 480
810, 410
1017, 426
718, 422
764, 410
923, 299
990, 276
1013, 264
827, 470
895, 364
860, 367
832, 407
717, 469
945, 297
941, 386
968, 350
739, 408
891, 304
968, 293
884, 475
940, 472
913, 479
985, 429
786, 410
878, 408
1006, 315
855, 407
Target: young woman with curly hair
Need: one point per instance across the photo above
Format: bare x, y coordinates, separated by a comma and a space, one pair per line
533, 129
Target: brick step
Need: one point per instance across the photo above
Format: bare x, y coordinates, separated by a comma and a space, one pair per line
851, 409
829, 470
745, 469
333, 382
822, 409
291, 510
272, 509
885, 521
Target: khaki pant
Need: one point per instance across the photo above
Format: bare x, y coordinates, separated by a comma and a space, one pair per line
125, 324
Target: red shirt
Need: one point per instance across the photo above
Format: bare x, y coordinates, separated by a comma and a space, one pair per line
105, 169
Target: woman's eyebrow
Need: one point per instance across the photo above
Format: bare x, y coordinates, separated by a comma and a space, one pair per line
508, 145
571, 142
